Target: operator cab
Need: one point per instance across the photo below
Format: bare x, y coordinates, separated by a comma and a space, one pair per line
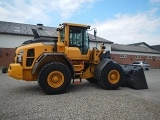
77, 36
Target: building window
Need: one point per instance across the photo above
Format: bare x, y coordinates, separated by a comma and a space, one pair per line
121, 56
137, 57
125, 56
17, 29
150, 57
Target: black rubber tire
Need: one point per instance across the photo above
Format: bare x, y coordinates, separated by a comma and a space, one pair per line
92, 80
105, 83
44, 73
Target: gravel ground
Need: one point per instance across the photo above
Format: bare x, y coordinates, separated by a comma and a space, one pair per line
20, 100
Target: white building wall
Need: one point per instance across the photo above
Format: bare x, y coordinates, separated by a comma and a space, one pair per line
134, 53
93, 44
12, 41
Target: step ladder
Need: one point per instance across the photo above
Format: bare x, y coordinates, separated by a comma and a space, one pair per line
79, 76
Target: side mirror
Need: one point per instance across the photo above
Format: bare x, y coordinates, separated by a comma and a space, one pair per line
95, 33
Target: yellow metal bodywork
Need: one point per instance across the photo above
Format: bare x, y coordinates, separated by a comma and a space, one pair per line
114, 76
21, 71
55, 79
15, 71
73, 54
39, 49
89, 72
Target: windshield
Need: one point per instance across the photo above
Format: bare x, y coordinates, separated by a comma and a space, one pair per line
144, 62
136, 63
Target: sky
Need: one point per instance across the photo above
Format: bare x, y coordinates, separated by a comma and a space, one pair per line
119, 21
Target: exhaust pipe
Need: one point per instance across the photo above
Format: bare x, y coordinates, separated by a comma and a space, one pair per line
36, 35
134, 77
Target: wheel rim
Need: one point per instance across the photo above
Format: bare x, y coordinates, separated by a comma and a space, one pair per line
113, 76
55, 79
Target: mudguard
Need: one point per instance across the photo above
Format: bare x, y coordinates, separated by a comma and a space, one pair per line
41, 58
134, 77
100, 66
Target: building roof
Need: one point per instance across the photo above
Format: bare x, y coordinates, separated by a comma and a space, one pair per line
132, 48
98, 39
26, 29
156, 47
44, 31
141, 44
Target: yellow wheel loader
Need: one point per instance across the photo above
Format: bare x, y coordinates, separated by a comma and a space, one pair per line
54, 63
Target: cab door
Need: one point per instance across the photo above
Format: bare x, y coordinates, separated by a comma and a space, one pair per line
78, 43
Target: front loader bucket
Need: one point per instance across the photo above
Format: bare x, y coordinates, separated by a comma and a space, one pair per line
134, 77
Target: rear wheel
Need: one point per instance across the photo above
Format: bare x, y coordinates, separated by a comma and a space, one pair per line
54, 78
111, 76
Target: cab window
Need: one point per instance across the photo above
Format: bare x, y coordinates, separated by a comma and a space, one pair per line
79, 38
62, 33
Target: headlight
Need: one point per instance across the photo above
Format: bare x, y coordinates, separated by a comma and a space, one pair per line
19, 58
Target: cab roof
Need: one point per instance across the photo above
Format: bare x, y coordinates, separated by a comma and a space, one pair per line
74, 24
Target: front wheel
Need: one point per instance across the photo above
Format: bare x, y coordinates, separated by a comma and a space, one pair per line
54, 78
111, 76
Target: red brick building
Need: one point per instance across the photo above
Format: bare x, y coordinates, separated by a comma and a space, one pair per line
127, 54
6, 56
